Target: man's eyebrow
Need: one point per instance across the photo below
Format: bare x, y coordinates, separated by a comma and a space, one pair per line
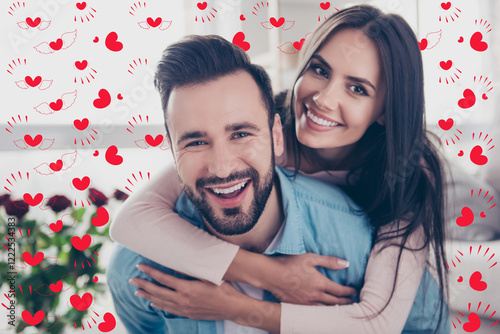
241, 126
191, 135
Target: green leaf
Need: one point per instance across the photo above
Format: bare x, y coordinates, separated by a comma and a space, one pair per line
78, 214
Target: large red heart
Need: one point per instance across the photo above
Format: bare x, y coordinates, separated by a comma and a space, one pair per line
445, 125
102, 217
81, 5
467, 217
32, 201
57, 226
446, 65
81, 65
104, 99
469, 99
446, 6
298, 45
476, 283
109, 323
56, 106
324, 5
57, 45
277, 23
33, 261
56, 166
239, 40
154, 23
423, 44
81, 243
474, 323
33, 141
33, 320
477, 157
83, 303
33, 82
33, 23
81, 184
81, 125
154, 142
202, 5
476, 42
112, 156
112, 42
56, 287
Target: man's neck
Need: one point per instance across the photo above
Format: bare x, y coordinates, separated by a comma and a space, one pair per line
262, 234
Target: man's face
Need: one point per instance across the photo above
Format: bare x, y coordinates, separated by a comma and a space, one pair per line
223, 150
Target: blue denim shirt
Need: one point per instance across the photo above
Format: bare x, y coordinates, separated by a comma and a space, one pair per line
319, 218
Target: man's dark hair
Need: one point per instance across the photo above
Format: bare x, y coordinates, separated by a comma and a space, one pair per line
201, 59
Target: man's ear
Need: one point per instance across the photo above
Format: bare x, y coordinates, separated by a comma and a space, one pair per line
277, 131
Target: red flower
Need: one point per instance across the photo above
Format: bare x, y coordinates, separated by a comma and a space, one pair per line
16, 208
97, 197
120, 195
59, 203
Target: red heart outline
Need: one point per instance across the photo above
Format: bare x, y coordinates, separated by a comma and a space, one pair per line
33, 261
154, 23
104, 99
81, 184
57, 226
324, 5
112, 42
81, 125
81, 65
33, 201
239, 40
109, 323
81, 303
446, 125
57, 45
56, 106
81, 243
477, 157
154, 142
476, 42
33, 320
277, 23
112, 156
202, 5
466, 218
33, 141
56, 287
469, 99
446, 65
33, 82
32, 23
102, 217
474, 323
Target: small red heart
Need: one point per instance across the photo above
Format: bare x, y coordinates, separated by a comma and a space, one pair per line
474, 323
476, 42
423, 44
112, 156
119, 97
446, 6
102, 217
56, 287
324, 5
485, 97
460, 279
81, 65
57, 226
33, 141
33, 23
81, 5
32, 201
96, 39
461, 39
154, 142
298, 45
33, 261
109, 323
277, 23
469, 99
81, 303
33, 82
56, 166
96, 153
446, 65
57, 45
477, 157
56, 106
242, 17
112, 42
104, 99
445, 125
81, 184
483, 215
33, 320
239, 40
461, 153
202, 5
81, 125
466, 218
154, 23
81, 243
95, 279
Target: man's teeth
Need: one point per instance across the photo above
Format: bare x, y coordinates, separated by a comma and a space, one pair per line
320, 121
229, 190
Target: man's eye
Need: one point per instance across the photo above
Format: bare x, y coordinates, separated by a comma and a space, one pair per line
240, 135
196, 143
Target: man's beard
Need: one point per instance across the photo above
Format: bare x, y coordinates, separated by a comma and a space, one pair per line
233, 221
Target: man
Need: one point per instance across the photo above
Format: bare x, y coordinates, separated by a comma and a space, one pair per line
224, 136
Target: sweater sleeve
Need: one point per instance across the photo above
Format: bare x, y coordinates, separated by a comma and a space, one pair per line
148, 225
359, 317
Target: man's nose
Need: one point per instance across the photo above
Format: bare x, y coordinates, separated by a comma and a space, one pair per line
223, 161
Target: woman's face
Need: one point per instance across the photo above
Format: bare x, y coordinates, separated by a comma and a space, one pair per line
340, 94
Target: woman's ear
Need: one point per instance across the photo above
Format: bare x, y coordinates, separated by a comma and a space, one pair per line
381, 120
278, 136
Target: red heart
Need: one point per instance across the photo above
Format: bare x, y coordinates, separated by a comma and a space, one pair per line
112, 156
95, 279
33, 261
112, 42
57, 45
324, 5
466, 218
154, 142
56, 106
119, 97
81, 184
476, 283
81, 125
445, 125
81, 5
32, 201
154, 23
81, 65
33, 82
476, 42
484, 96
202, 5
461, 39
460, 279
33, 320
298, 45
56, 166
56, 287
469, 99
239, 40
109, 323
33, 141
423, 44
461, 153
104, 99
83, 303
102, 217
477, 157
242, 17
32, 23
278, 23
81, 244
474, 323
446, 6
96, 39
446, 65
482, 215
57, 226
96, 153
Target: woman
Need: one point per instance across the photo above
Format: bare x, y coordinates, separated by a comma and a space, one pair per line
358, 121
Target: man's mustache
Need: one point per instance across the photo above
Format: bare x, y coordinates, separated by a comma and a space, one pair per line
239, 175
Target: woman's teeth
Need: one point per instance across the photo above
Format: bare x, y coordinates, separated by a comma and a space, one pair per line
320, 121
229, 190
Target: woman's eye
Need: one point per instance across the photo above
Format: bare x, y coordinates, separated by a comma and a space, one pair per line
240, 135
357, 89
319, 70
